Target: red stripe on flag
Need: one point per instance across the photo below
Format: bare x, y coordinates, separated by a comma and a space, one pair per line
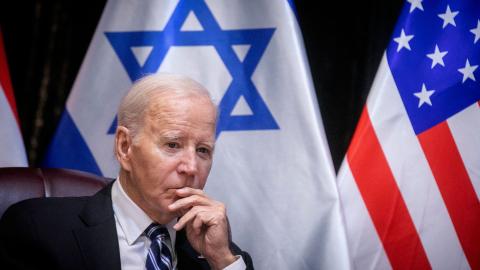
383, 199
456, 188
5, 79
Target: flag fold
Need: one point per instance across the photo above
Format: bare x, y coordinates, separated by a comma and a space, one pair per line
410, 181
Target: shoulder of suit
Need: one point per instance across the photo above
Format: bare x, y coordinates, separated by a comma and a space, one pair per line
51, 206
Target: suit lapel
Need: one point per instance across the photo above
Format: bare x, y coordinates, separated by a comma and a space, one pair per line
98, 240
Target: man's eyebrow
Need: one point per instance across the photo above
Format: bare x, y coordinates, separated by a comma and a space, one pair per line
208, 143
171, 136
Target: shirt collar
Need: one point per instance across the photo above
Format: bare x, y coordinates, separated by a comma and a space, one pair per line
131, 218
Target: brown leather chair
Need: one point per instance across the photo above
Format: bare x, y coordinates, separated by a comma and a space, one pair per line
17, 184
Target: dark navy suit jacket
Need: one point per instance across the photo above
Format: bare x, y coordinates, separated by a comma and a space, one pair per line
74, 233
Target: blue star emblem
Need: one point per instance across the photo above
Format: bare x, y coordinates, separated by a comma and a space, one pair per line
211, 35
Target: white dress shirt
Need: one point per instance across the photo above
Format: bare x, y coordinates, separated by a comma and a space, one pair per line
131, 222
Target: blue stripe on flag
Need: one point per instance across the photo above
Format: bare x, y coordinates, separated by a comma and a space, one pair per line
69, 150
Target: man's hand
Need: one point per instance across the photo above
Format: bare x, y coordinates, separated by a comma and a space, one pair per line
206, 225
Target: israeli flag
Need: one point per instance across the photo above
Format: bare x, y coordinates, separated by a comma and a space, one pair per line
272, 167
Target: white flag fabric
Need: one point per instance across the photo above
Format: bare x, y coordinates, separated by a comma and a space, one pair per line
410, 182
272, 166
12, 150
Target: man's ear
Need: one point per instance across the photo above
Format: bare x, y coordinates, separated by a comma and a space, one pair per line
123, 146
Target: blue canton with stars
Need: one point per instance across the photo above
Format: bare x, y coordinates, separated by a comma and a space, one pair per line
222, 41
434, 58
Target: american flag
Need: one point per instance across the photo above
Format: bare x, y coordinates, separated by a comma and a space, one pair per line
410, 182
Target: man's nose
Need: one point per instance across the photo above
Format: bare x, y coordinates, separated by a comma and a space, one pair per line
188, 164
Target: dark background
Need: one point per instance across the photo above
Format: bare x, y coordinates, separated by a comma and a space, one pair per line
46, 40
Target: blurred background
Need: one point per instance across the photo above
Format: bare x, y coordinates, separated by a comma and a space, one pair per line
46, 41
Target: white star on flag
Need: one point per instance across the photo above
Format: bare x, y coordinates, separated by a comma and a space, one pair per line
424, 96
476, 32
415, 4
403, 40
467, 71
448, 17
437, 57
419, 134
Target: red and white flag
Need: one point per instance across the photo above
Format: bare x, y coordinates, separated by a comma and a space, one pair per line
410, 182
12, 150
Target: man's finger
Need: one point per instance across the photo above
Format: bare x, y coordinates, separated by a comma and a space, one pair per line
188, 191
190, 215
198, 221
188, 202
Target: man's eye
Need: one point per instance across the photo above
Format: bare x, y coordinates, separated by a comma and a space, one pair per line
172, 145
203, 150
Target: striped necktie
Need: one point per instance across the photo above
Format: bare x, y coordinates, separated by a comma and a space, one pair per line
159, 254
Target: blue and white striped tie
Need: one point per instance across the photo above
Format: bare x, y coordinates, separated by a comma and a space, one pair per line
159, 254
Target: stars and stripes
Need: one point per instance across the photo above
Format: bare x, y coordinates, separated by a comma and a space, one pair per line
410, 182
451, 74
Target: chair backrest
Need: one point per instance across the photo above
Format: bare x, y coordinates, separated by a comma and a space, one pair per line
17, 184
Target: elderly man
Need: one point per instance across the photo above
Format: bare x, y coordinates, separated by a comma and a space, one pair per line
155, 215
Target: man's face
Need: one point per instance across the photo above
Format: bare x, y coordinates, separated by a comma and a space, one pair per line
173, 150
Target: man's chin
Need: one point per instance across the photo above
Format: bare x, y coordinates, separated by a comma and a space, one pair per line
162, 214
165, 218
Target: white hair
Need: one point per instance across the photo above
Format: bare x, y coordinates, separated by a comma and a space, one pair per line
133, 106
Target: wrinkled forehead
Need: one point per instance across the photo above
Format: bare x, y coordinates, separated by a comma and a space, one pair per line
195, 109
181, 101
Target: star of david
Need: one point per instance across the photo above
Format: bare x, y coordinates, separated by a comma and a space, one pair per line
211, 35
